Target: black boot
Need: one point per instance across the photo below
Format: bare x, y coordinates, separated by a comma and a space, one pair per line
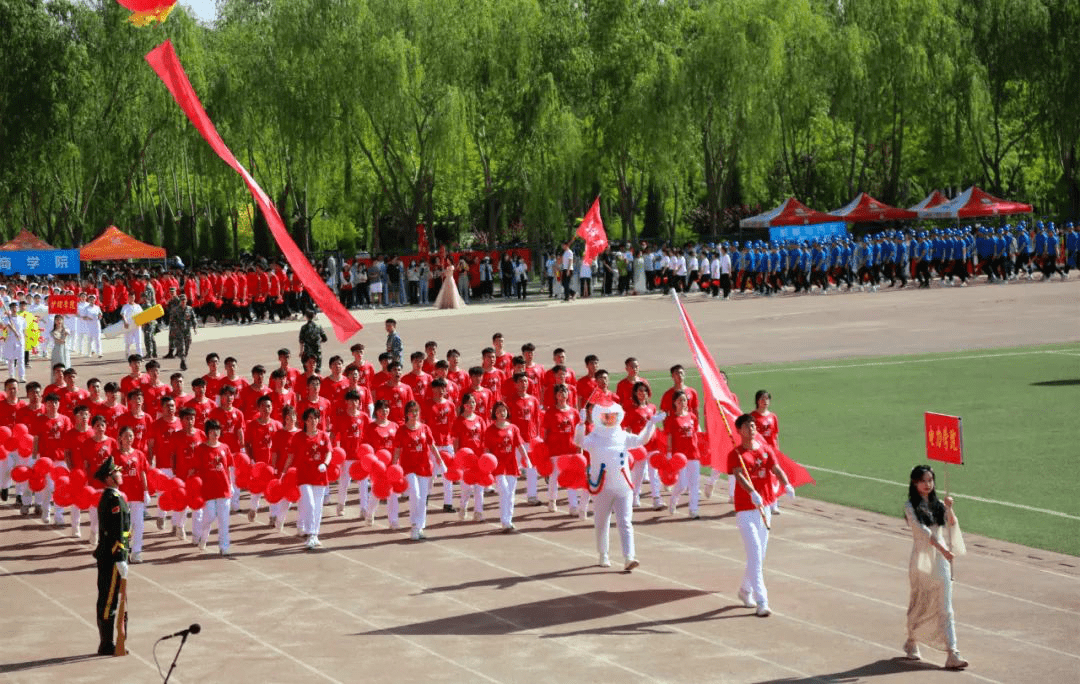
105, 631
183, 363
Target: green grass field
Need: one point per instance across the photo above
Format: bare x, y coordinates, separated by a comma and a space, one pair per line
865, 417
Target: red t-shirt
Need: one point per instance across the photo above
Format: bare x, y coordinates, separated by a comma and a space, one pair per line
349, 433
321, 404
50, 434
440, 418
536, 375
469, 432
92, 455
152, 395
503, 443
492, 381
112, 413
759, 463
308, 452
203, 409
260, 439
278, 400
484, 401
133, 465
549, 394
525, 414
140, 426
157, 441
9, 411
559, 426
415, 445
625, 391
280, 448
419, 384
397, 396
182, 451
212, 465
768, 428
504, 361
380, 436
232, 426
334, 390
128, 383
683, 433
73, 441
691, 401
634, 421
248, 400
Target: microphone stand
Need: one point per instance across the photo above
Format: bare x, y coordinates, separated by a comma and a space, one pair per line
183, 640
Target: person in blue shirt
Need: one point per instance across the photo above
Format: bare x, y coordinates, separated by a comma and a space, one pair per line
888, 259
921, 256
1023, 252
1050, 254
1072, 245
901, 263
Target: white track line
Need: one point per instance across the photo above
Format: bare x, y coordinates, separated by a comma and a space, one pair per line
980, 499
71, 612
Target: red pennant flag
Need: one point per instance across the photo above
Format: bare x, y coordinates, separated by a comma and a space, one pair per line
592, 232
421, 240
168, 68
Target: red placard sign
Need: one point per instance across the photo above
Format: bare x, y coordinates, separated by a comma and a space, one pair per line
65, 304
944, 438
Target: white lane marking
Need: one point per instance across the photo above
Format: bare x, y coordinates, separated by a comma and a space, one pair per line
971, 497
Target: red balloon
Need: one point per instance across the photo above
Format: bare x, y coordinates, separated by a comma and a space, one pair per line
289, 479
658, 461
381, 489
333, 471
337, 455
242, 462
384, 455
21, 473
369, 460
469, 476
538, 449
78, 478
19, 430
637, 454
377, 468
243, 479
43, 466
487, 463
394, 473
669, 477
58, 471
87, 497
364, 450
11, 444
465, 458
453, 475
37, 483
258, 469
25, 449
400, 486
177, 483
678, 461
544, 464
293, 494
3, 455
62, 496
257, 485
5, 433
196, 502
274, 491
356, 471
485, 480
194, 488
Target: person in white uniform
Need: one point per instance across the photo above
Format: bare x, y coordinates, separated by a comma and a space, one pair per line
609, 476
92, 317
15, 342
133, 343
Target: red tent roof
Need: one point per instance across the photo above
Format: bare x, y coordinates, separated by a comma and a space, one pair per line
865, 208
934, 199
973, 203
114, 243
791, 213
24, 241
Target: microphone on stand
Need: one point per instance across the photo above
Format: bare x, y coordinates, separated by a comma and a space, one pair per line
193, 629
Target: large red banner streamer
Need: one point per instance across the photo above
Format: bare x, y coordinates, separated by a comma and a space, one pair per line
168, 68
592, 232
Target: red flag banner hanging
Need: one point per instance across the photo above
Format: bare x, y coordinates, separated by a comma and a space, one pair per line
168, 68
422, 245
592, 232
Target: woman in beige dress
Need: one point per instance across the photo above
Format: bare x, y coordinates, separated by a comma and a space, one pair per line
937, 540
449, 298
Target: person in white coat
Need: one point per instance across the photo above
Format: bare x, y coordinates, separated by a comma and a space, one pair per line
15, 342
609, 475
133, 343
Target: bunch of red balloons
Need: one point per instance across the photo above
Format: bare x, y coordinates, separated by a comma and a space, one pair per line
16, 439
668, 466
473, 469
386, 479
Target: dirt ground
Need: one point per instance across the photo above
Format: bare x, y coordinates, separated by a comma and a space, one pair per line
471, 604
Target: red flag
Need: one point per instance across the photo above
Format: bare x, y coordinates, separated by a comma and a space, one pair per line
722, 407
422, 241
168, 68
592, 232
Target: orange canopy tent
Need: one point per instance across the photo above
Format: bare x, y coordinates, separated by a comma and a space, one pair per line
26, 241
114, 243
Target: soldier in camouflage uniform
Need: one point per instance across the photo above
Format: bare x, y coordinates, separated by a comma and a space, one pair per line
182, 323
151, 328
311, 339
170, 306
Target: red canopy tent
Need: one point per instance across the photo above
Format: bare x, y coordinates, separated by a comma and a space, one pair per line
791, 213
865, 208
114, 243
26, 241
934, 199
973, 203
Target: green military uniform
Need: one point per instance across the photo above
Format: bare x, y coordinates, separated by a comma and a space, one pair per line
311, 339
170, 306
182, 322
150, 329
114, 520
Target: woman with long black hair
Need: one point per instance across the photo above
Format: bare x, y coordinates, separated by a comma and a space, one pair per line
937, 540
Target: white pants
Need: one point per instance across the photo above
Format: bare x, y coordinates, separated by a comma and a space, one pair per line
476, 493
577, 498
133, 342
638, 474
419, 486
756, 540
363, 487
391, 507
621, 504
5, 469
448, 486
215, 509
137, 525
531, 479
76, 519
310, 508
689, 481
506, 485
16, 367
280, 509
234, 503
94, 341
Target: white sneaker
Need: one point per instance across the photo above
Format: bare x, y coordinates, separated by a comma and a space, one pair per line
763, 610
583, 512
93, 539
911, 650
311, 543
224, 552
251, 515
136, 557
955, 662
572, 511
551, 507
747, 600
370, 517
478, 516
76, 533
202, 543
415, 534
672, 506
341, 509
707, 492
281, 524
604, 562
461, 513
630, 565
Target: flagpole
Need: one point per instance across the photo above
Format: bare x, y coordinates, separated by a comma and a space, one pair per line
760, 509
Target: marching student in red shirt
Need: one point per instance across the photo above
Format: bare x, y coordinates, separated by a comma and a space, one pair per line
491, 377
468, 432
9, 407
310, 451
525, 414
454, 373
558, 430
214, 377
93, 453
201, 404
113, 407
625, 387
348, 433
534, 370
681, 430
414, 448
416, 379
182, 446
73, 440
279, 456
379, 434
57, 385
176, 385
134, 379
253, 391
508, 389
48, 431
335, 385
768, 429
292, 375
158, 452
356, 384
133, 464
214, 463
395, 394
431, 347
231, 421
751, 462
280, 395
312, 399
481, 395
439, 414
503, 439
453, 390
559, 375
309, 363
379, 379
678, 377
367, 372
139, 420
259, 443
72, 395
587, 384
503, 358
231, 378
154, 389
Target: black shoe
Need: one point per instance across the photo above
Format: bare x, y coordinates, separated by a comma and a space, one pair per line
170, 355
106, 647
183, 364
448, 508
3, 494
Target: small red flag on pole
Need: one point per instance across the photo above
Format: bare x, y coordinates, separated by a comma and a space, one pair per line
592, 232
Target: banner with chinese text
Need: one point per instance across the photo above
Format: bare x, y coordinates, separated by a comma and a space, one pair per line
65, 304
944, 438
40, 262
